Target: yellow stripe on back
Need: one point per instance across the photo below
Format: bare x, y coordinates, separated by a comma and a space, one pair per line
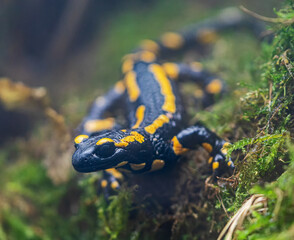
132, 86
139, 115
158, 122
169, 104
134, 136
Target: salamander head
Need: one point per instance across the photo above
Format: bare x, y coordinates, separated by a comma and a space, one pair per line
109, 150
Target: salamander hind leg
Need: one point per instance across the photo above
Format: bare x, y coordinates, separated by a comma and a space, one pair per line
211, 86
197, 135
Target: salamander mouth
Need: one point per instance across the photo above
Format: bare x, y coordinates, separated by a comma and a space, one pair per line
92, 163
90, 166
88, 169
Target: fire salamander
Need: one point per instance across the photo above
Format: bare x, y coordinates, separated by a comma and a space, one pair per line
156, 136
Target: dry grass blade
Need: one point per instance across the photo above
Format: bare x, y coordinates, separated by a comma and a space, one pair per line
256, 202
266, 19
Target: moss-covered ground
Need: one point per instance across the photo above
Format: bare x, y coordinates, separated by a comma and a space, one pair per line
42, 198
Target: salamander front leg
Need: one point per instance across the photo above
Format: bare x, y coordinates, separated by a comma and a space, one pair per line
197, 135
110, 181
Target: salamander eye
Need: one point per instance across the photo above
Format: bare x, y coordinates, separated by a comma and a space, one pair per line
106, 150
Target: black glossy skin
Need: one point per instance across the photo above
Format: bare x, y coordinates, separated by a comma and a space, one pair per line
89, 157
172, 138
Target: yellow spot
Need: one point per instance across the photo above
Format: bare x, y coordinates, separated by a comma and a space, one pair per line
149, 45
134, 136
139, 115
158, 122
124, 130
196, 66
172, 40
177, 146
80, 138
137, 166
119, 87
157, 164
215, 165
207, 36
198, 93
147, 56
104, 140
115, 173
114, 185
127, 65
121, 164
122, 144
99, 125
210, 160
137, 137
224, 149
207, 147
171, 69
215, 86
132, 86
169, 104
104, 183
229, 163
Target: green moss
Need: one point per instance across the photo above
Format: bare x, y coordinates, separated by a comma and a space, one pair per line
279, 220
269, 111
114, 217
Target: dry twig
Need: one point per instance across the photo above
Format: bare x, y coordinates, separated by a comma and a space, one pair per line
266, 19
